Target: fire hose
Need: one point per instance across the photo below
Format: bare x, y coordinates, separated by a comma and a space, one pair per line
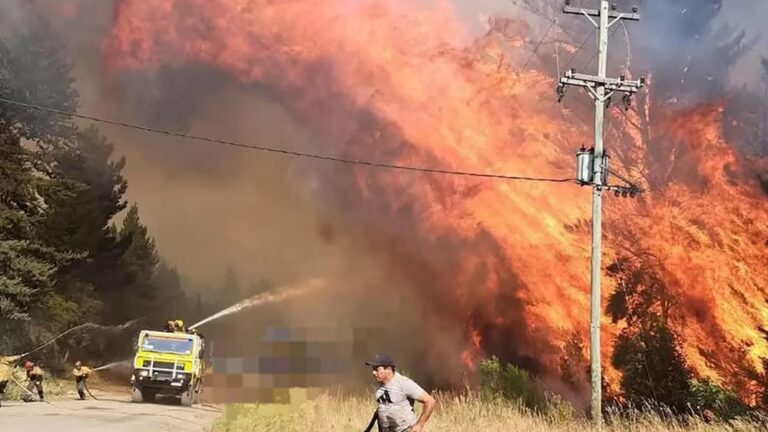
85, 384
30, 393
81, 326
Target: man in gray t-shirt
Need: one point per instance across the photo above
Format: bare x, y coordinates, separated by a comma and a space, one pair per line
395, 397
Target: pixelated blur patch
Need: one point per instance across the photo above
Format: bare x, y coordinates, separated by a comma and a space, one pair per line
281, 366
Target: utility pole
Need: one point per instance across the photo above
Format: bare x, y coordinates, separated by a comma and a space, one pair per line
592, 166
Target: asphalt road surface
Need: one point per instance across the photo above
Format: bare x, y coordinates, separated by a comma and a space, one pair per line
67, 414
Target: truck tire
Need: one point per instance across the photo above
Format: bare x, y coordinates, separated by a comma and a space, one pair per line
136, 395
148, 395
196, 393
186, 397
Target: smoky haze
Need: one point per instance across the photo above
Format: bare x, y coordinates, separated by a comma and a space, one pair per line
282, 220
214, 186
266, 217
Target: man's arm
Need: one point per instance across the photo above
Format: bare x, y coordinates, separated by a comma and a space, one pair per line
429, 405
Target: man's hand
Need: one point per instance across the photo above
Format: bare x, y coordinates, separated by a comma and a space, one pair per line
429, 405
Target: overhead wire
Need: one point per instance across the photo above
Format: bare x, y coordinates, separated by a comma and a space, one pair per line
596, 52
536, 49
573, 57
317, 156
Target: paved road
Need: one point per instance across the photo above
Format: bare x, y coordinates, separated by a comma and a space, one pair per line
117, 414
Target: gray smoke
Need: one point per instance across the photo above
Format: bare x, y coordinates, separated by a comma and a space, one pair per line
268, 217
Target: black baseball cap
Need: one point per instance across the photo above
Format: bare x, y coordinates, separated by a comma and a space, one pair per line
381, 359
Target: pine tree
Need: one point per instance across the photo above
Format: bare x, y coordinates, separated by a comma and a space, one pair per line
574, 368
23, 276
85, 192
171, 298
647, 352
31, 66
137, 297
34, 70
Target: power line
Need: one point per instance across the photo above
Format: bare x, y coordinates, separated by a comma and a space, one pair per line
586, 65
573, 57
535, 50
281, 151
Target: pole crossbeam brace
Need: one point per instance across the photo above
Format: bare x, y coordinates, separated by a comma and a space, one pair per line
633, 16
625, 88
608, 82
610, 89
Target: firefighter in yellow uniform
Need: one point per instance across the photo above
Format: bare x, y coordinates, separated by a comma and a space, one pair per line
35, 381
6, 369
81, 374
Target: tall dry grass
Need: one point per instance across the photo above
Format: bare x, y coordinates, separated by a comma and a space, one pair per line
52, 386
454, 413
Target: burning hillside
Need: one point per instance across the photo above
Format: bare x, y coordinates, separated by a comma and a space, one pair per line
400, 81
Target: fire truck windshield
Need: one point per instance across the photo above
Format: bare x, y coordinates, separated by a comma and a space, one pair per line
167, 345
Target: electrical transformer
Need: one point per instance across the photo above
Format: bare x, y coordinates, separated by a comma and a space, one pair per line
584, 167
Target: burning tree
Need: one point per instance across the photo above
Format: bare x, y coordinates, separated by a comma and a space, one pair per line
394, 81
647, 351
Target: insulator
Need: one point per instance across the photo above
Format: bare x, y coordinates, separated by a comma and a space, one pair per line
627, 99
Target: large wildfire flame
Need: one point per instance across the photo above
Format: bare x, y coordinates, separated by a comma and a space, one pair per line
437, 99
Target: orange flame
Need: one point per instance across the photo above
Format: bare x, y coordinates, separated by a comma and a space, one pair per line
470, 356
407, 63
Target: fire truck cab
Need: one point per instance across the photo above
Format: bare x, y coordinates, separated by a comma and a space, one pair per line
167, 363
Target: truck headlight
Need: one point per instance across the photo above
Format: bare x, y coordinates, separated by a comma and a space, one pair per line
181, 376
143, 373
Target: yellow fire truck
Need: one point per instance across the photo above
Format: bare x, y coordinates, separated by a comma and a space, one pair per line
167, 363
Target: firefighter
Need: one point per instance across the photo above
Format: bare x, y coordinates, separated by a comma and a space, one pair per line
6, 369
34, 381
81, 374
180, 326
170, 327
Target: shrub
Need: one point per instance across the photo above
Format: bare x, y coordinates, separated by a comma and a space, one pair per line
706, 395
509, 382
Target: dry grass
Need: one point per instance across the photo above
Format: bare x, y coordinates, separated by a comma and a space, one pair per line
52, 386
453, 414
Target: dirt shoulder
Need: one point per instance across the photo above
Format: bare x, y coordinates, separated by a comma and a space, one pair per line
113, 411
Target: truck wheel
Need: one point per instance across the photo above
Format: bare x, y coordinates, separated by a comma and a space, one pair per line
149, 396
136, 395
186, 397
196, 393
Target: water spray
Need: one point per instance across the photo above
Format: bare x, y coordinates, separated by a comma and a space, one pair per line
262, 299
84, 326
113, 364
